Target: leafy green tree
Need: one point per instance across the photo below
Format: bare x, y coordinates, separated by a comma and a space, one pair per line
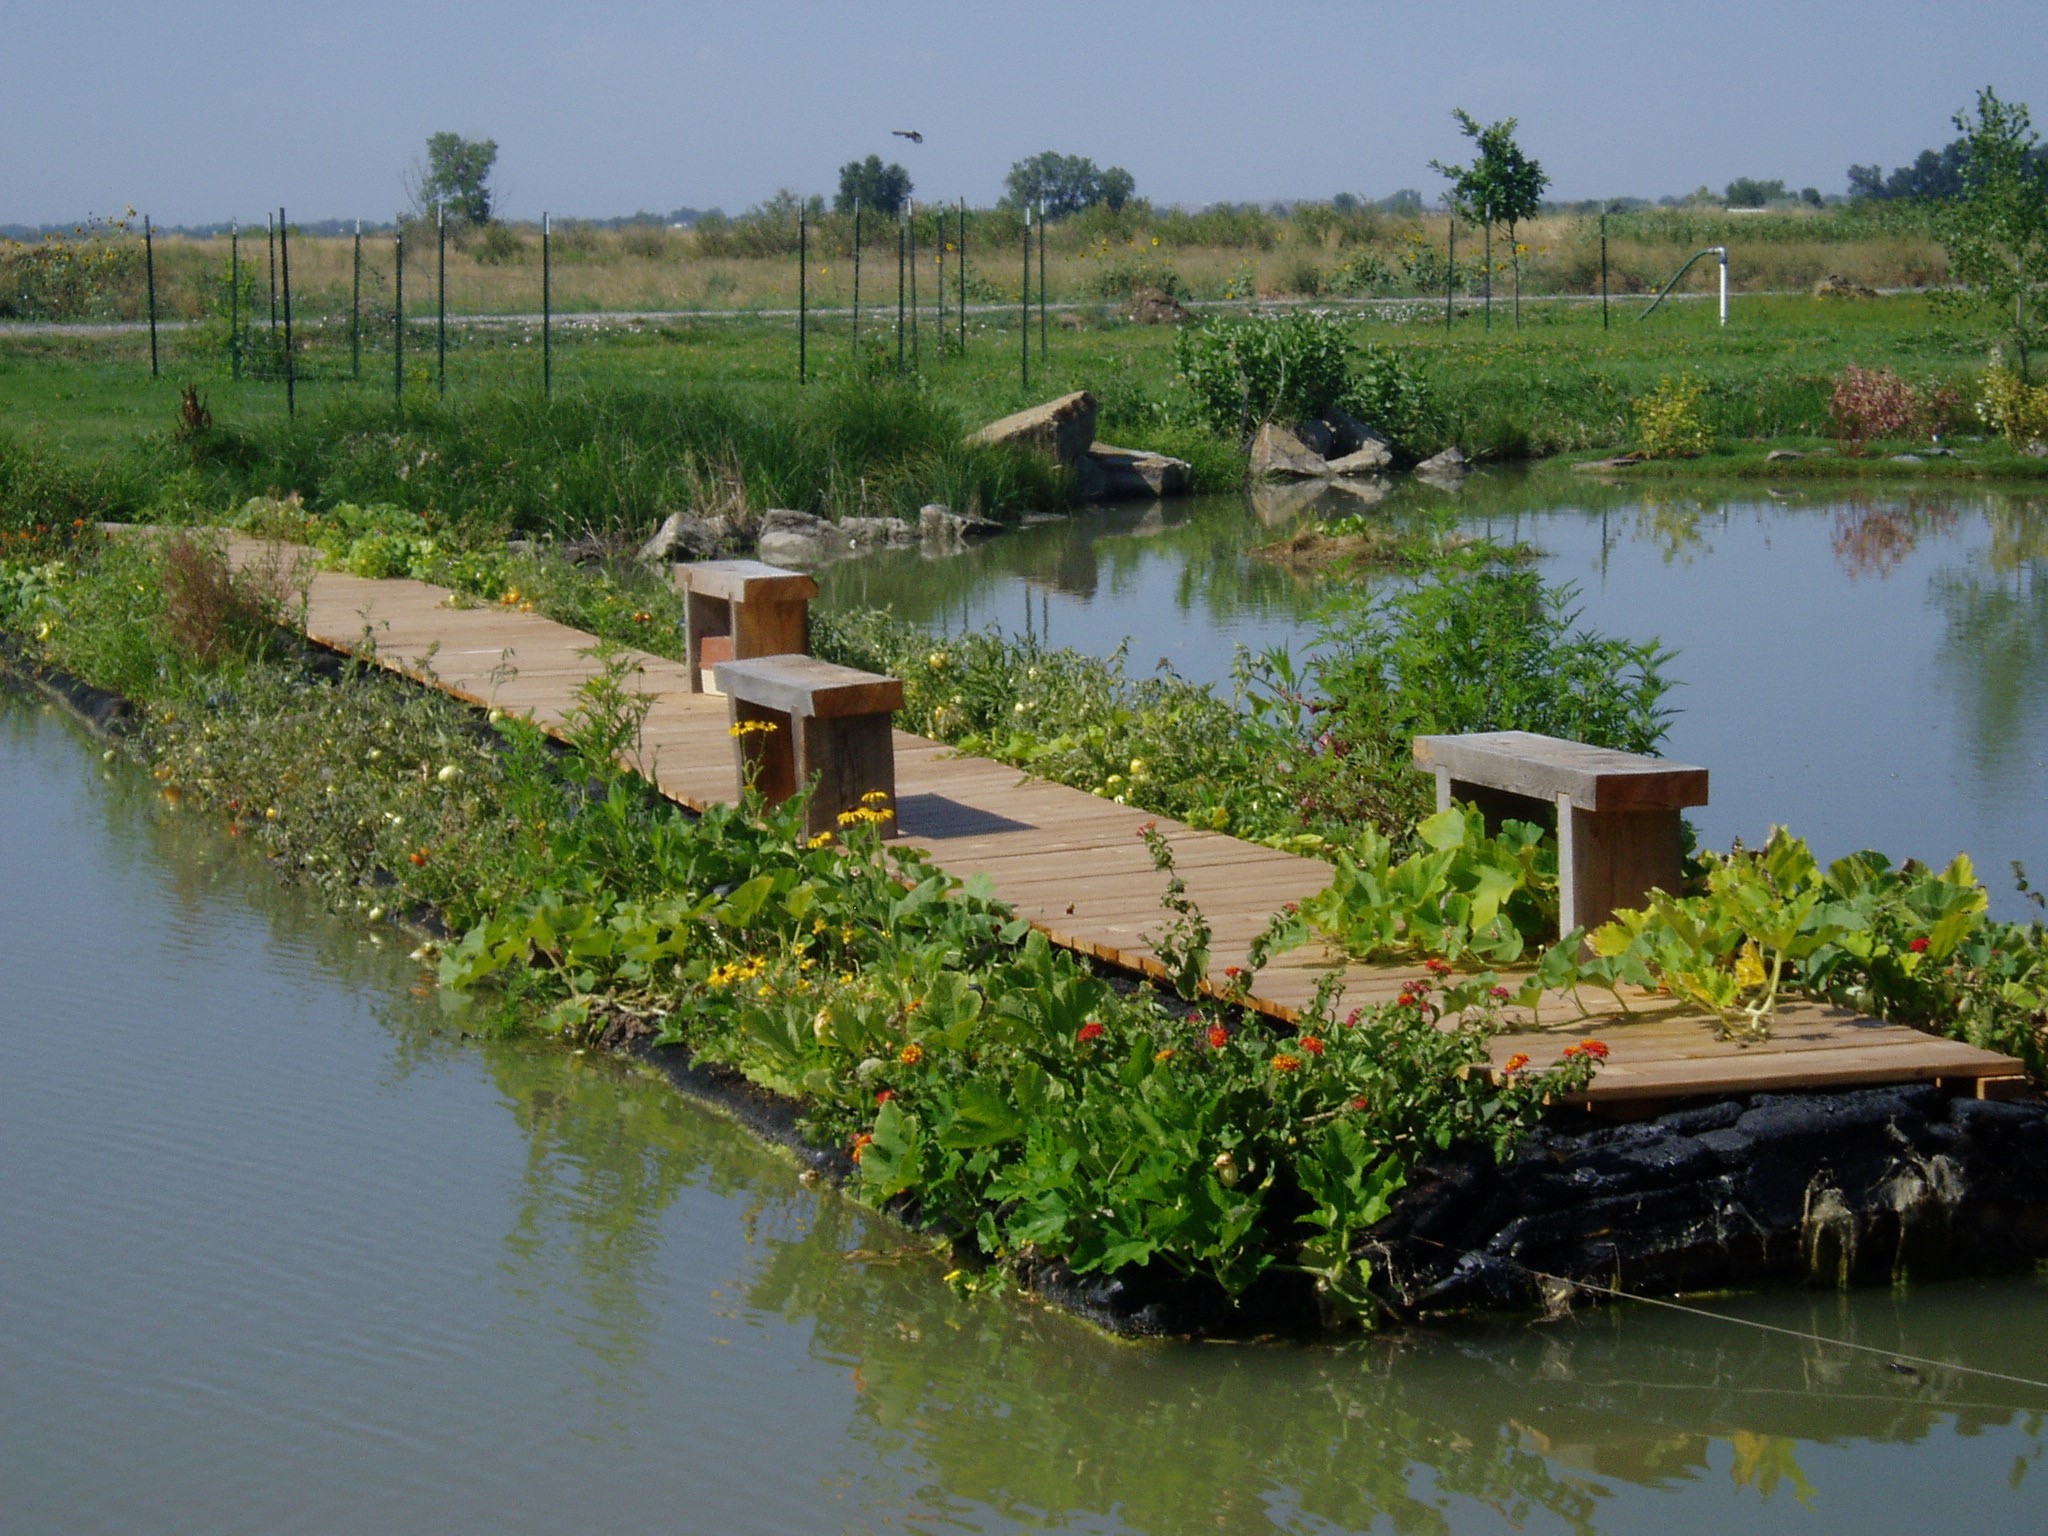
1996, 230
879, 188
1502, 185
1067, 184
1749, 192
456, 176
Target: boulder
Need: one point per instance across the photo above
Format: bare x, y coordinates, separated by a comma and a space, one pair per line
1783, 455
1619, 461
1155, 306
874, 532
683, 536
1368, 460
1338, 434
794, 538
1062, 429
1278, 454
1834, 287
937, 523
1132, 474
1451, 464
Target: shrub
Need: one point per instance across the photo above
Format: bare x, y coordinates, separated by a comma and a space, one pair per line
1126, 275
1247, 369
1360, 274
1306, 278
2014, 407
1391, 393
1868, 403
1668, 420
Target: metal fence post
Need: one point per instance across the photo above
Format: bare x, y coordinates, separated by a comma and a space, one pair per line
963, 277
234, 301
149, 263
901, 338
291, 368
355, 309
547, 309
398, 313
803, 295
1024, 316
856, 282
910, 225
1041, 283
1603, 271
441, 300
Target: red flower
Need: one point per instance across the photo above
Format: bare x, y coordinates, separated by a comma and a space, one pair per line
1312, 1045
1437, 967
1351, 1019
418, 856
1286, 1063
1089, 1031
884, 1096
1515, 1063
1595, 1048
1233, 971
1219, 1037
1147, 828
1359, 1102
1500, 994
1405, 1000
1918, 946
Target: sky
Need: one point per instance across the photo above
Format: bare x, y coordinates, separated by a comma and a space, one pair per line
198, 112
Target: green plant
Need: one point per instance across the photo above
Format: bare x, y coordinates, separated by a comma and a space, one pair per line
1996, 232
1246, 369
1361, 273
1668, 421
2014, 408
1129, 275
1501, 186
1391, 392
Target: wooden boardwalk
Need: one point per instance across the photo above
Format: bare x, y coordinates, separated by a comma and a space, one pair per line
1074, 863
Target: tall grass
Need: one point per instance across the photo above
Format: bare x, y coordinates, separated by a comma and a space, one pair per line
615, 460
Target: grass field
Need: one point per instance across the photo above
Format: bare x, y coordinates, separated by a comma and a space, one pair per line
1560, 383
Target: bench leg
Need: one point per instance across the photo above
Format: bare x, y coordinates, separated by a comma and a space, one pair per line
768, 757
849, 757
1613, 859
764, 628
703, 617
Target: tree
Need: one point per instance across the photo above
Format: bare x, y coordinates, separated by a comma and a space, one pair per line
1067, 184
453, 184
880, 188
1501, 186
1749, 192
1996, 229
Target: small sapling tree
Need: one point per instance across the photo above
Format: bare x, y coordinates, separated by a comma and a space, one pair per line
1502, 185
1996, 230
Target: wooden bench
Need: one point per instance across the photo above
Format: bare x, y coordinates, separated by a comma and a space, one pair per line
1616, 813
734, 610
825, 723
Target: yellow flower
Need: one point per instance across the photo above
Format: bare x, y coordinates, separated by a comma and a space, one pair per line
751, 727
819, 842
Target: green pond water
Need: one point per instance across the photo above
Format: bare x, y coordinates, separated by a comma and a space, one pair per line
282, 1250
1870, 670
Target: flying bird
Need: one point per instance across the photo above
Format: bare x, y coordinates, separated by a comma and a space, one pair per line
907, 133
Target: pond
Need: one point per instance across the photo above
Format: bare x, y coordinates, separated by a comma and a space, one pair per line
1870, 670
282, 1249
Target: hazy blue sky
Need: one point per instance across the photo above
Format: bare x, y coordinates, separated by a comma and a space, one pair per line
202, 111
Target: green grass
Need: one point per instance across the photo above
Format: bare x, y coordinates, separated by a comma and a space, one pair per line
645, 415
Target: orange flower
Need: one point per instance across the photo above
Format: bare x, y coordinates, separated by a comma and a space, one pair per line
1286, 1063
861, 1144
1219, 1037
1312, 1044
1516, 1062
911, 1054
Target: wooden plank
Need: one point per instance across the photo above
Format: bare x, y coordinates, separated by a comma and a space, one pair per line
804, 685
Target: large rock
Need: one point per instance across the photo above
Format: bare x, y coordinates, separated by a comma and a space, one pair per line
1449, 465
1132, 474
683, 536
1370, 459
1062, 429
794, 538
1278, 454
874, 532
1338, 434
940, 524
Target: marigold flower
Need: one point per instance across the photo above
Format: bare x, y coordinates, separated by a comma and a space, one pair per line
860, 1144
1918, 946
1312, 1044
418, 856
1092, 1030
1286, 1063
1405, 1000
1165, 1055
1437, 967
911, 1054
1516, 1062
1219, 1037
1594, 1048
1233, 971
885, 1096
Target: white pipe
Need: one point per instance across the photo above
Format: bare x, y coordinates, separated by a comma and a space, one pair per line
1723, 250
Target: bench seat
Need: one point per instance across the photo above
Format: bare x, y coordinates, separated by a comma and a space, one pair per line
800, 721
